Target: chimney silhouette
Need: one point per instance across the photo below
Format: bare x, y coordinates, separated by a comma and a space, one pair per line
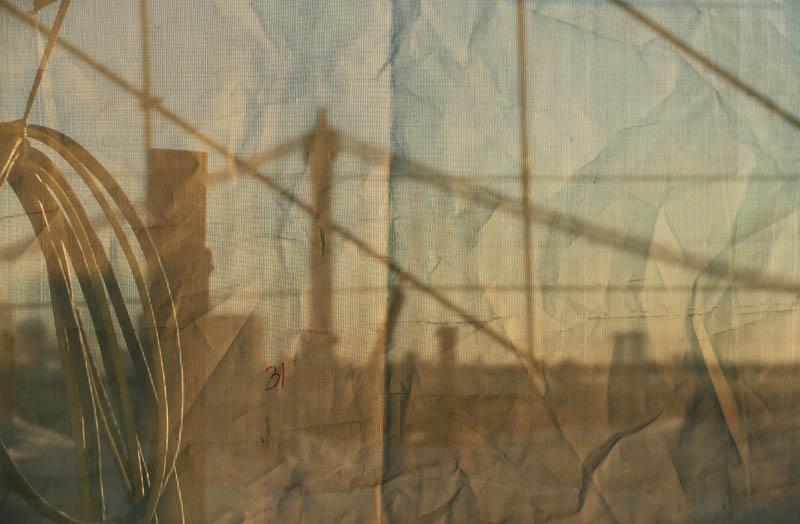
176, 200
319, 337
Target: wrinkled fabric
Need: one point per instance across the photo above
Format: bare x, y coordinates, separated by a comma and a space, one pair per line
360, 347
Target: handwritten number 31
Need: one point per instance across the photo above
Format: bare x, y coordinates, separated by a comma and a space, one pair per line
275, 378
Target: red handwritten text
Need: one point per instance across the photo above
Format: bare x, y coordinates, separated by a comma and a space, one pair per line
276, 376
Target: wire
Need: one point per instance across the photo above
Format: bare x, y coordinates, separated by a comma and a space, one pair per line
68, 239
51, 41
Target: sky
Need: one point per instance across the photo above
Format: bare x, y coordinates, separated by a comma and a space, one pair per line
646, 167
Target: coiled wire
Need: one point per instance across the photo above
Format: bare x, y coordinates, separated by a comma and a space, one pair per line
73, 252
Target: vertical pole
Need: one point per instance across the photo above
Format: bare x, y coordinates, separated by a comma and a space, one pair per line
525, 179
393, 405
447, 384
7, 375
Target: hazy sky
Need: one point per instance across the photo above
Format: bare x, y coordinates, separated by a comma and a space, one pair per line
626, 133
